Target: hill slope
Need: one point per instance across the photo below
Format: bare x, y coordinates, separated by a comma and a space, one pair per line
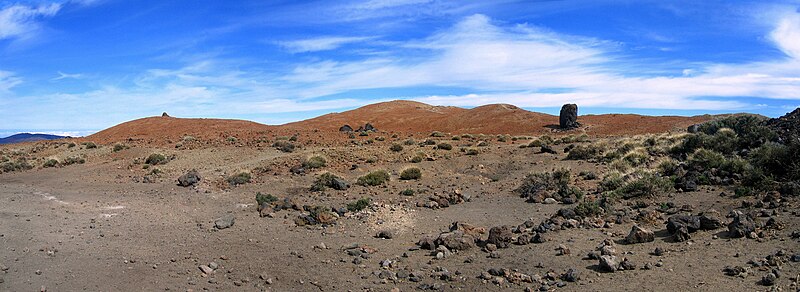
28, 137
166, 128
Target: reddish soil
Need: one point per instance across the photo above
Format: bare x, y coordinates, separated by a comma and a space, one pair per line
397, 117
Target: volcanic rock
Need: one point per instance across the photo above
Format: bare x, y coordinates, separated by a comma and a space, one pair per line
568, 119
346, 128
741, 226
190, 178
639, 235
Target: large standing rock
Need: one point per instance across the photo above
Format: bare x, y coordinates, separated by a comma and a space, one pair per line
190, 178
455, 240
568, 118
639, 235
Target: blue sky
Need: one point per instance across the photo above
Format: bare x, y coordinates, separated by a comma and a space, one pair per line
78, 66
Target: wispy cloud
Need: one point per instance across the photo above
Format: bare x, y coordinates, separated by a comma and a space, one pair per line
8, 80
62, 75
320, 43
21, 21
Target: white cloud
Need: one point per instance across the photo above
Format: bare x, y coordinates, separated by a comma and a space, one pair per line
8, 80
20, 21
319, 44
62, 75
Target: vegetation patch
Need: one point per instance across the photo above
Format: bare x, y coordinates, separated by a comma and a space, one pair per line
315, 162
239, 178
374, 178
411, 173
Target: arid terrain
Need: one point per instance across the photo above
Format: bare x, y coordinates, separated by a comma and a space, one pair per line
494, 198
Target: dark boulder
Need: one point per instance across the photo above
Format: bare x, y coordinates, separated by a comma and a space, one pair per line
189, 179
369, 127
741, 226
500, 236
548, 149
164, 115
568, 119
346, 128
639, 235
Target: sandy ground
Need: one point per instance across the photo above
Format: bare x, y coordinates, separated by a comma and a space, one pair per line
93, 227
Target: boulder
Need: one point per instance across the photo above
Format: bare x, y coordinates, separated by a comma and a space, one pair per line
189, 179
456, 240
568, 119
639, 235
710, 220
548, 149
500, 236
741, 226
609, 263
346, 128
369, 127
225, 221
164, 115
693, 128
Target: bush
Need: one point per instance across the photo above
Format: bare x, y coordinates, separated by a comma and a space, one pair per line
239, 178
588, 175
471, 151
188, 138
50, 163
89, 145
444, 146
268, 198
155, 159
118, 148
411, 173
437, 134
429, 142
374, 178
456, 138
380, 139
409, 142
588, 209
70, 145
704, 159
359, 205
314, 162
396, 147
19, 164
543, 181
73, 160
611, 182
646, 184
284, 146
329, 180
582, 152
483, 144
407, 192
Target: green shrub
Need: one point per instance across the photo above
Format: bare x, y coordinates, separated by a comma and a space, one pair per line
374, 178
471, 151
359, 205
584, 152
588, 209
50, 163
268, 198
231, 139
89, 145
118, 148
407, 192
611, 182
543, 181
284, 146
444, 146
418, 158
456, 138
70, 145
396, 147
19, 164
239, 178
363, 134
429, 142
483, 144
293, 138
155, 159
380, 139
437, 134
329, 180
588, 175
315, 162
704, 159
411, 173
409, 142
646, 184
73, 160
188, 138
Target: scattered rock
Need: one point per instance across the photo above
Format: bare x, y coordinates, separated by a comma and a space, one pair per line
639, 235
741, 226
225, 221
385, 234
548, 149
769, 279
189, 179
572, 275
609, 263
206, 269
550, 201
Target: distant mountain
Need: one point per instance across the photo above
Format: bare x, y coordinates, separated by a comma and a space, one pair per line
28, 137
